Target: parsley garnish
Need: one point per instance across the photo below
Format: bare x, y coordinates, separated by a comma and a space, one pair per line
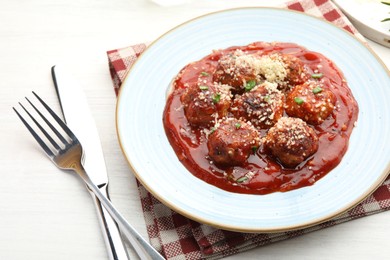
242, 179
317, 90
250, 85
317, 75
298, 100
386, 19
217, 97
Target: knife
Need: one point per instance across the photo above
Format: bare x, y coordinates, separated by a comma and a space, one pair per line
77, 116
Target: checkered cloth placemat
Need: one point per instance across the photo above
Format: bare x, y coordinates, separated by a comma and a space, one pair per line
177, 237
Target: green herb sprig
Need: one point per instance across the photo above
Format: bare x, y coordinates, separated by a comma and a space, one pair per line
299, 100
386, 19
242, 179
250, 85
216, 98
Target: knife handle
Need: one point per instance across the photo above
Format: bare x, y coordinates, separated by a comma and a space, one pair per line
115, 248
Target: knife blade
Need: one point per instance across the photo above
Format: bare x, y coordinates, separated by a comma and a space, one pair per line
77, 116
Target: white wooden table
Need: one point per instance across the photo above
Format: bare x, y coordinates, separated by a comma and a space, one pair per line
48, 214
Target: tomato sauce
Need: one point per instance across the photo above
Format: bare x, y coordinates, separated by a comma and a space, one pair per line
190, 143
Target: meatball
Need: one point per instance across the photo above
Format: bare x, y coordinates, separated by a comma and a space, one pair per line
291, 141
296, 71
311, 102
205, 103
236, 69
232, 142
263, 105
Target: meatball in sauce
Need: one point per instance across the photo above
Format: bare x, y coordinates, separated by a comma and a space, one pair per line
205, 103
236, 69
291, 141
296, 71
311, 101
262, 106
260, 118
232, 141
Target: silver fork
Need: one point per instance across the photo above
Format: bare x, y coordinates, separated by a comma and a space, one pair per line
67, 154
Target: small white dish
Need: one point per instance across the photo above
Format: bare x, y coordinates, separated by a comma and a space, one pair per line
367, 16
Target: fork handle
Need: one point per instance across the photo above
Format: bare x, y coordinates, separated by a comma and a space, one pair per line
111, 232
127, 230
115, 248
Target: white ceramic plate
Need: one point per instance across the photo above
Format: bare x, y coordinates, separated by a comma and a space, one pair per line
366, 16
145, 145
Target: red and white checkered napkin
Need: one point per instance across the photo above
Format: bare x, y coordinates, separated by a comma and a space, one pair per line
177, 237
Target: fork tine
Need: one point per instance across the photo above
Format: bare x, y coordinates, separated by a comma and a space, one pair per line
59, 121
36, 136
51, 140
55, 131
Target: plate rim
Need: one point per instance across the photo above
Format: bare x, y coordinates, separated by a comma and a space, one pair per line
307, 224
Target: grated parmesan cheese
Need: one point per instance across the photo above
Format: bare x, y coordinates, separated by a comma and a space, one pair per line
271, 67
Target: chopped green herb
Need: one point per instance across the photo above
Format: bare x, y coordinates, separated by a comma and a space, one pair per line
317, 75
204, 73
317, 90
212, 130
267, 99
250, 84
386, 19
217, 98
298, 100
203, 87
237, 125
242, 179
254, 149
